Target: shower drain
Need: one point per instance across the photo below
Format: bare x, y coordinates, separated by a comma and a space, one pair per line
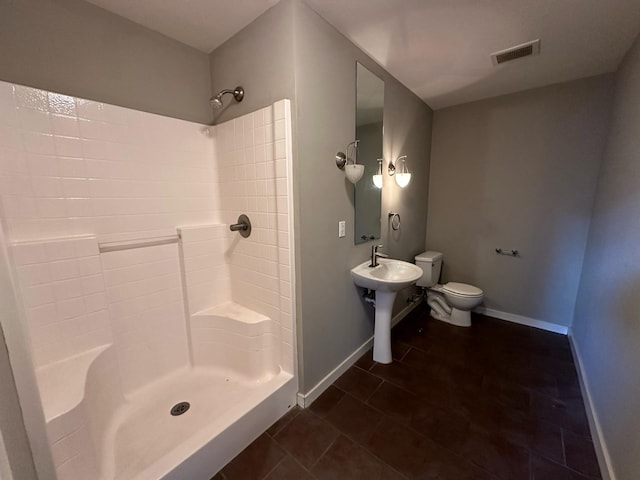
180, 408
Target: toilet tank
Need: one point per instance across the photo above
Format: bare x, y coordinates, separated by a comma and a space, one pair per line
431, 263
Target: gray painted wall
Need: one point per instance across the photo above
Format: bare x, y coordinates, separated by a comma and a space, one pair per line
519, 171
606, 326
260, 58
333, 318
76, 48
291, 52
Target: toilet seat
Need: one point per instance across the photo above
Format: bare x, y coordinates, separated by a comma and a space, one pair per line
462, 290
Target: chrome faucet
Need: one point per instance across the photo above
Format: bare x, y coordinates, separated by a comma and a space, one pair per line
375, 254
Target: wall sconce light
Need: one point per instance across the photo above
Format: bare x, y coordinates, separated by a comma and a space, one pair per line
352, 171
403, 177
377, 178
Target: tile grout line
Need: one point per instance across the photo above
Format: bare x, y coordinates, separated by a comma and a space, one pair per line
405, 353
311, 474
380, 459
585, 476
308, 470
282, 427
371, 453
325, 450
276, 465
287, 454
391, 382
366, 401
362, 444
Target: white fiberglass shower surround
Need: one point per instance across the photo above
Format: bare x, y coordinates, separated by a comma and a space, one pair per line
134, 294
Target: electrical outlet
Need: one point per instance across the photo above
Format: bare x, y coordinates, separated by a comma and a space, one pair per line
341, 228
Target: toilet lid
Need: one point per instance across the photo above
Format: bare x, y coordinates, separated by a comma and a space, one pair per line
462, 289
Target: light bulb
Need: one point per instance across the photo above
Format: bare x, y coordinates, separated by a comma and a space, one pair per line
403, 179
377, 180
354, 172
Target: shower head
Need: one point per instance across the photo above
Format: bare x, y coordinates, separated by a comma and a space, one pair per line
238, 94
216, 102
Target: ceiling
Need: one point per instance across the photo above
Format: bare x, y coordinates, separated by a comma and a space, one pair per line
201, 24
440, 49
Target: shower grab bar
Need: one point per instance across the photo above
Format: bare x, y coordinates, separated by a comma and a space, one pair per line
137, 243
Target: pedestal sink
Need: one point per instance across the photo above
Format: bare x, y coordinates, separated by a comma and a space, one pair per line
389, 277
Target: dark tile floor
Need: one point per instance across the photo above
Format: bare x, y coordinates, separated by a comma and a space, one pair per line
494, 401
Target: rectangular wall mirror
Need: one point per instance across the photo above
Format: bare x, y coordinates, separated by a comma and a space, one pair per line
369, 131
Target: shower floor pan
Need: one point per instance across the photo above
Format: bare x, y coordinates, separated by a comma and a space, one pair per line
147, 442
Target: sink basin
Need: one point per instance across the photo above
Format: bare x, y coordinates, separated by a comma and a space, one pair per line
390, 276
387, 279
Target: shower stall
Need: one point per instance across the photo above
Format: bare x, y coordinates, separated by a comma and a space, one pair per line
159, 341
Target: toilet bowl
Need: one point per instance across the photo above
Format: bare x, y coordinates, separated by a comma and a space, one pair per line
451, 302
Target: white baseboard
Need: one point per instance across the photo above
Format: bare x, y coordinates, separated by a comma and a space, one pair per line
529, 322
306, 399
602, 452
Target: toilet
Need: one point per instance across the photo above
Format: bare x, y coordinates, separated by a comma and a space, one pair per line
451, 302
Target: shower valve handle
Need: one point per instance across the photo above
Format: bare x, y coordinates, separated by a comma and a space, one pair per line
243, 226
238, 226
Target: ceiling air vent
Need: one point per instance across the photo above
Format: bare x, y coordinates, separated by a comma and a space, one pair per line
519, 51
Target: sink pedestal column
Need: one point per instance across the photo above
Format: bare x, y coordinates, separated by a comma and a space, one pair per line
382, 329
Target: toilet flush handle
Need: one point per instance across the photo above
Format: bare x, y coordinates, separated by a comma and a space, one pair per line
508, 253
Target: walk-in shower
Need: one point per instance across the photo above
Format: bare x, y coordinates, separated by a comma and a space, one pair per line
161, 342
238, 95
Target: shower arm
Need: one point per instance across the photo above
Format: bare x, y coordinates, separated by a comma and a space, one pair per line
224, 92
238, 94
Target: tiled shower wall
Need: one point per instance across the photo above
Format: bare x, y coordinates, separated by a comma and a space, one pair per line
64, 297
147, 312
75, 167
254, 154
206, 272
70, 167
